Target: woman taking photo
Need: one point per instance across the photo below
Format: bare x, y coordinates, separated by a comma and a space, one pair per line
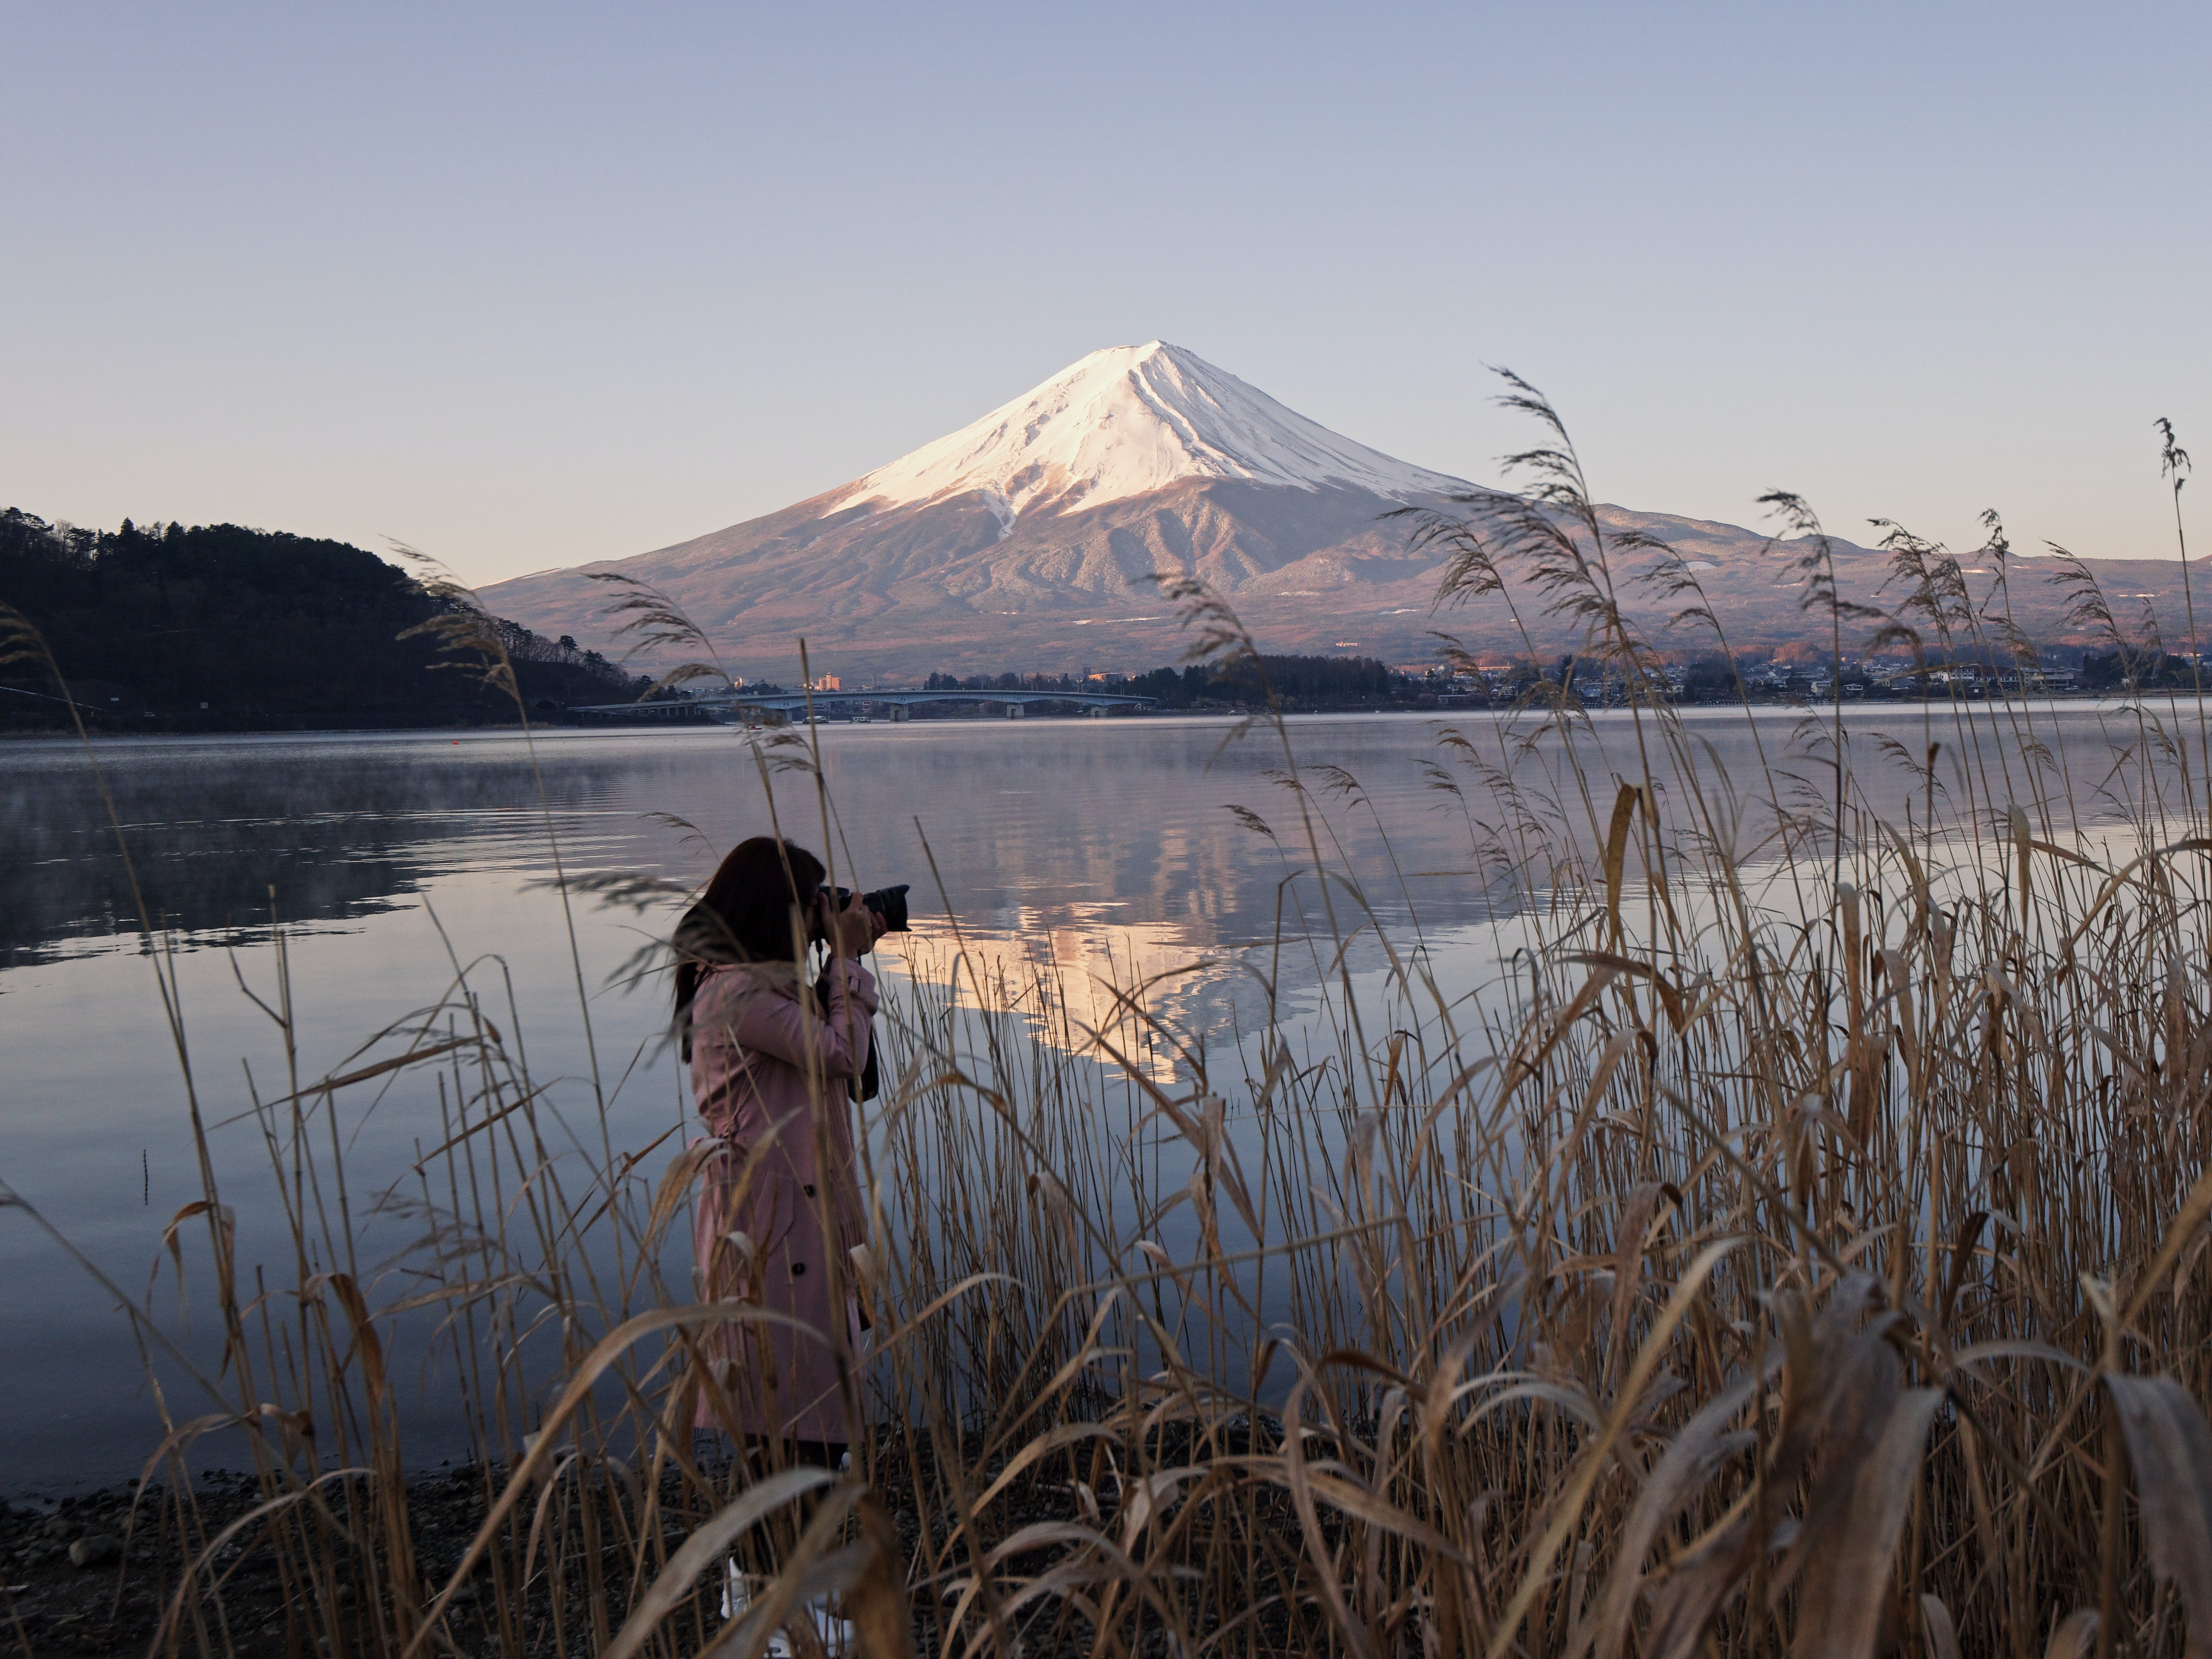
773, 1064
773, 1067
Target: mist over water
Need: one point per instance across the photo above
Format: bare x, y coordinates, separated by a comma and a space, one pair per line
1101, 849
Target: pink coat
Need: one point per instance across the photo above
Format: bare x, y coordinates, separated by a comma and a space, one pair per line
780, 1208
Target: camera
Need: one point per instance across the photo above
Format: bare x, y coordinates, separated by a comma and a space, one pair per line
889, 902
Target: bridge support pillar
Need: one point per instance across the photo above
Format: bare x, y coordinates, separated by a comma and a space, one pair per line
901, 712
1014, 711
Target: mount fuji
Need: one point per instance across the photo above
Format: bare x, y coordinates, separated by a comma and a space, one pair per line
1028, 540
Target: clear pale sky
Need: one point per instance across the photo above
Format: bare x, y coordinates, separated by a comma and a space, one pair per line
530, 285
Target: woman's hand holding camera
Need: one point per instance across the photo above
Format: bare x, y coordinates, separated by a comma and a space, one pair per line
854, 930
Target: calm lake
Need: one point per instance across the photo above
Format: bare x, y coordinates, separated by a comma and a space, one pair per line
383, 861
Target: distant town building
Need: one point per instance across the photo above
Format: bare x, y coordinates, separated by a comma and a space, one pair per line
826, 683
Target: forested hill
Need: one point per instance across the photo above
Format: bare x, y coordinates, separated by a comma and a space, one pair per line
218, 626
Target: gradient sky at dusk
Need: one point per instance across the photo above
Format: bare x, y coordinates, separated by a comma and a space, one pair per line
527, 285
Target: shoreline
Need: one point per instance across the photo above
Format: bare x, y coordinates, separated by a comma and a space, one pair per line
2085, 702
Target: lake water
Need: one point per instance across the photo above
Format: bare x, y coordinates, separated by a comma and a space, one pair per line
386, 859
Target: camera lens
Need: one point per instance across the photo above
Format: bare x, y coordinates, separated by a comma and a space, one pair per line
889, 903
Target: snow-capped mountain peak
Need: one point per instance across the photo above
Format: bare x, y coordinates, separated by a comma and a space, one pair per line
1124, 421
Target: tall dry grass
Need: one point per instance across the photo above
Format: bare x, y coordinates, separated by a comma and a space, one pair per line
1799, 1247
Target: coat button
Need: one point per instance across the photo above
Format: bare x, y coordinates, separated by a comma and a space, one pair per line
809, 1191
797, 1269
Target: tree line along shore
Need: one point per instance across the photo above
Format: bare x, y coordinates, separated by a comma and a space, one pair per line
166, 627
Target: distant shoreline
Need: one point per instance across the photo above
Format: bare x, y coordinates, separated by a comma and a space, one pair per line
1700, 712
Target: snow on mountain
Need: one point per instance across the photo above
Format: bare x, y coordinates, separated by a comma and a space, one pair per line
1128, 421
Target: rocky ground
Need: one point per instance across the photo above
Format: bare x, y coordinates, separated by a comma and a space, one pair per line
78, 1578
90, 1576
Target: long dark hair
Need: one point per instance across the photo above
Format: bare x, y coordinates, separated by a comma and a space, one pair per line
745, 915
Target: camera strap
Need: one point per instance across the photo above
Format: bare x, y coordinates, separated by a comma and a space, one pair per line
864, 1087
